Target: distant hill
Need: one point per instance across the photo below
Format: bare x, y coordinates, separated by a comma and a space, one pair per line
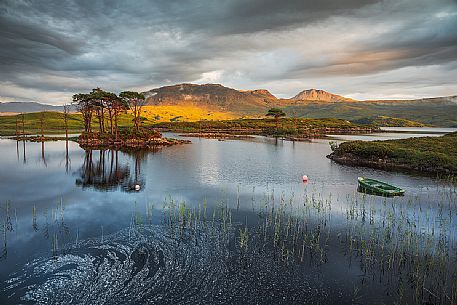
319, 95
444, 100
214, 101
312, 103
213, 96
27, 107
441, 111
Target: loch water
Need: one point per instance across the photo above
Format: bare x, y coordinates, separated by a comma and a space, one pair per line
219, 222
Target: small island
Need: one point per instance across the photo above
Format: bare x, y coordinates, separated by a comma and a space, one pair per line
425, 155
294, 129
107, 108
144, 139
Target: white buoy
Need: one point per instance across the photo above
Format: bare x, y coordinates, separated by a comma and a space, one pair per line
137, 187
305, 178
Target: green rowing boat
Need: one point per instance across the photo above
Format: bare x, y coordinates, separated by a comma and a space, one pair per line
378, 187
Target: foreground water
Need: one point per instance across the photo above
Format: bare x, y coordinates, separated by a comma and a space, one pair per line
217, 222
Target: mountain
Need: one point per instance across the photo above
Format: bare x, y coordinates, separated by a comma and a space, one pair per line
312, 103
26, 107
213, 96
262, 93
214, 101
228, 99
319, 95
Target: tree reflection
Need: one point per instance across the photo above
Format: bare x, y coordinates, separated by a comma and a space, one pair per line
106, 170
136, 182
43, 157
67, 156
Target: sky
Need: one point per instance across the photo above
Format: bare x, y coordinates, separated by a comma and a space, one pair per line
363, 49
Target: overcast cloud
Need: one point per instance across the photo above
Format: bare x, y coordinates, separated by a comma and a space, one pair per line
361, 49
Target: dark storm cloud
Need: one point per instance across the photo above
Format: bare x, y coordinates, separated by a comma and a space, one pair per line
241, 16
31, 45
51, 47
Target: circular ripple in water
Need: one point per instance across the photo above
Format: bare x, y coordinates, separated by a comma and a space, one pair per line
151, 266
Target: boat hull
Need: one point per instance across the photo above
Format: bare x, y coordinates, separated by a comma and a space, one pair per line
379, 188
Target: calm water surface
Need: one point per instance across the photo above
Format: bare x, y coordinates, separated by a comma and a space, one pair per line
217, 222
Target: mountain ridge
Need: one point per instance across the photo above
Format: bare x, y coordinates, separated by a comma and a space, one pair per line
319, 95
214, 100
204, 92
218, 92
212, 96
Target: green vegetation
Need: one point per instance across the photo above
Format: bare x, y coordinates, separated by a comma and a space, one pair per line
53, 123
276, 127
101, 115
436, 155
438, 111
385, 121
107, 107
276, 113
135, 101
430, 112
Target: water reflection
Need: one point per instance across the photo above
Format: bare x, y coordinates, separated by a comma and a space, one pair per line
43, 158
67, 157
102, 170
220, 223
24, 153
